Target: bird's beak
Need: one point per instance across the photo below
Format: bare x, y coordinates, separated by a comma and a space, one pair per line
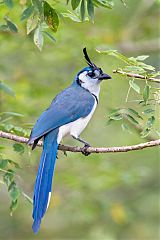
104, 76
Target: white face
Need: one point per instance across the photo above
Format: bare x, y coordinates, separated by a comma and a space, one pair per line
90, 81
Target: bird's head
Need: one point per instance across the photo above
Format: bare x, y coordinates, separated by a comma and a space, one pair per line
90, 77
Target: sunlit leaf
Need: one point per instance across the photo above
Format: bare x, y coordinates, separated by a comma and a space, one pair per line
12, 114
38, 38
134, 86
31, 24
51, 17
142, 57
72, 16
104, 3
38, 5
135, 69
75, 3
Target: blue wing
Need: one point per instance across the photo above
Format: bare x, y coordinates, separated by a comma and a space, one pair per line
71, 104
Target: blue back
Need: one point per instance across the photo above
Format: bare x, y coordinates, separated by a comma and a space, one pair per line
71, 104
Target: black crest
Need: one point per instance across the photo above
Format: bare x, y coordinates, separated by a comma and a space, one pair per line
89, 62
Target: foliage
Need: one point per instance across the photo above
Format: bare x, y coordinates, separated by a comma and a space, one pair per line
148, 95
42, 19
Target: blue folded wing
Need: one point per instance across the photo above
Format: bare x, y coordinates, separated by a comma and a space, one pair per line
70, 105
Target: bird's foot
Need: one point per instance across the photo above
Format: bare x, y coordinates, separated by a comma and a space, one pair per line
84, 150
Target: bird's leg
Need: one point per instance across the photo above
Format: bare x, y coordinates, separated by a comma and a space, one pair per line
86, 145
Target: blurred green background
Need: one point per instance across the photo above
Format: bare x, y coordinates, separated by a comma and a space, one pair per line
102, 196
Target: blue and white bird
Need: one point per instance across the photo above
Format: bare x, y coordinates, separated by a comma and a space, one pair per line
68, 114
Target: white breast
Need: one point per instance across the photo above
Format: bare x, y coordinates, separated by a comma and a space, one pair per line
75, 128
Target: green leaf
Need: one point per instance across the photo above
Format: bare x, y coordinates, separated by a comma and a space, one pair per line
142, 57
3, 27
110, 121
131, 119
135, 69
18, 148
6, 89
146, 66
146, 93
8, 3
49, 36
12, 114
31, 24
16, 165
90, 8
125, 127
148, 111
135, 113
75, 3
12, 27
116, 117
3, 163
145, 132
72, 16
82, 10
51, 17
8, 177
104, 3
150, 122
38, 5
14, 193
120, 56
27, 13
13, 206
134, 86
38, 38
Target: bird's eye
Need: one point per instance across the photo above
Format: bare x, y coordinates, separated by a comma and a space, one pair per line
91, 74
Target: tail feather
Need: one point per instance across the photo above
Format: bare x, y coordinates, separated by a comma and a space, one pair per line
43, 184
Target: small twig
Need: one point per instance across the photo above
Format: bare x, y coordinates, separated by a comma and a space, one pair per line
90, 149
134, 75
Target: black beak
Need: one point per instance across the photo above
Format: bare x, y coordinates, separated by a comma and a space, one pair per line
104, 76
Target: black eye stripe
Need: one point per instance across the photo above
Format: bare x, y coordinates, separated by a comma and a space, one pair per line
91, 74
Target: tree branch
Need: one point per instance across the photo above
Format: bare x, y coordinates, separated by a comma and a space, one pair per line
90, 149
134, 75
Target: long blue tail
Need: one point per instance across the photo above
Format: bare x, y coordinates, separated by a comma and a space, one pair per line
43, 184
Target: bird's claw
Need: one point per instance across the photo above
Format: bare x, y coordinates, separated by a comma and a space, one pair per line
84, 150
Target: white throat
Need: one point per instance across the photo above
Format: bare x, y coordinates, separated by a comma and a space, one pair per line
92, 85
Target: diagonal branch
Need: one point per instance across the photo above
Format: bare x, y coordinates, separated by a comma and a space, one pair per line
135, 75
90, 149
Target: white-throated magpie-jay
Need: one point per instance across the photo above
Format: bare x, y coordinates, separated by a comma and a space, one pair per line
69, 113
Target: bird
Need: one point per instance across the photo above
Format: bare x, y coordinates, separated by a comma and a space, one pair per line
68, 114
